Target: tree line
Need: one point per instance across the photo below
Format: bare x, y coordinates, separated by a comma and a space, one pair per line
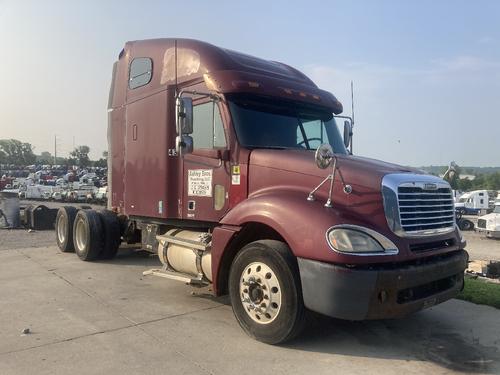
490, 181
481, 181
13, 151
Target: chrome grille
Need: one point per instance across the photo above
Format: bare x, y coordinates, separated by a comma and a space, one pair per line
418, 205
423, 210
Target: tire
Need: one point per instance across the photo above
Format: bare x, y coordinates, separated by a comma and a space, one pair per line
88, 235
112, 238
268, 264
64, 228
465, 224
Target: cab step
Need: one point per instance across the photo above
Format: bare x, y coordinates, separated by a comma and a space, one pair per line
177, 276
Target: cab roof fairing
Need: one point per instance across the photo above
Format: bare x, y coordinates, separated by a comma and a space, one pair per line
226, 71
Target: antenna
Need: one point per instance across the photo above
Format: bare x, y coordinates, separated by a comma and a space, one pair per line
175, 58
352, 102
55, 149
352, 110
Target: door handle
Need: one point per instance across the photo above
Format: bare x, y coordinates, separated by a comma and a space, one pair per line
134, 132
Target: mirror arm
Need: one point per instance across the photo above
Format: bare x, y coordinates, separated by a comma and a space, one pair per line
197, 93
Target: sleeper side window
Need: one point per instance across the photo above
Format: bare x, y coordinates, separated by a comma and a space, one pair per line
208, 130
141, 72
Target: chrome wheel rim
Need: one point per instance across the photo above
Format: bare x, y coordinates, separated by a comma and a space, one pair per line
260, 292
61, 229
80, 235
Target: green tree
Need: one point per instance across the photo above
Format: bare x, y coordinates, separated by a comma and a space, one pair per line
464, 184
80, 156
45, 158
13, 151
62, 161
493, 181
102, 162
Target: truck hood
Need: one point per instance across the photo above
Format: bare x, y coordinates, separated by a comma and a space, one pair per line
354, 170
288, 176
492, 216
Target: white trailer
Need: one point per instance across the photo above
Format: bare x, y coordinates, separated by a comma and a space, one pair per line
472, 202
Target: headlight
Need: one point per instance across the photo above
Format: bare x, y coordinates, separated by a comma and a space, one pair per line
359, 240
352, 241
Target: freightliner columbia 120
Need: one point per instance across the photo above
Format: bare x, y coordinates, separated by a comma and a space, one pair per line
232, 169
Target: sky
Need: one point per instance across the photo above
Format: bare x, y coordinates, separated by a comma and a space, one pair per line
426, 73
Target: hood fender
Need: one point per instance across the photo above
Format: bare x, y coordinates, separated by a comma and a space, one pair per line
301, 223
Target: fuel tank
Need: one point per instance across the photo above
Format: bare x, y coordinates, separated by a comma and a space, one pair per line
186, 252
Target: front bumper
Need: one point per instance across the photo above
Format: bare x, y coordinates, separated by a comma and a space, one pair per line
380, 293
489, 233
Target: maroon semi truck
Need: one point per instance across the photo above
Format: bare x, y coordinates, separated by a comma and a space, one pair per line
233, 170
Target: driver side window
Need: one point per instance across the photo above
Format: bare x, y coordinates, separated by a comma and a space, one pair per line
208, 130
314, 132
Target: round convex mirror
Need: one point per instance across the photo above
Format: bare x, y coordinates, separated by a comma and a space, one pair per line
324, 156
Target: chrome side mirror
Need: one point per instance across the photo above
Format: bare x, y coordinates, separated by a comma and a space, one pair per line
324, 156
347, 133
184, 115
183, 144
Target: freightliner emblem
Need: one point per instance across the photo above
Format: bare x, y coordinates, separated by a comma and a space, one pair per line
429, 186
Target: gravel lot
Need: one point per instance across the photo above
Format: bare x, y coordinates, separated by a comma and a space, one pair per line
22, 238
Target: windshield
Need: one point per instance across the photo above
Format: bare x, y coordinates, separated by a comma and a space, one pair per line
262, 123
497, 209
462, 200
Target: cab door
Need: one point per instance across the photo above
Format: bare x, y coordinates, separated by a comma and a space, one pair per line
206, 171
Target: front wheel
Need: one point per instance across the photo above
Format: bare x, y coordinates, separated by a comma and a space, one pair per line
265, 292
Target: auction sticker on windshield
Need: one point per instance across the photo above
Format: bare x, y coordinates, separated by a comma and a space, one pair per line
200, 182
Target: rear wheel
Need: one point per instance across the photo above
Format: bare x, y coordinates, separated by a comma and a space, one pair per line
64, 228
112, 240
265, 292
88, 235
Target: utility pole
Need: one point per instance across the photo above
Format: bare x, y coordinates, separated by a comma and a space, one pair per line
55, 149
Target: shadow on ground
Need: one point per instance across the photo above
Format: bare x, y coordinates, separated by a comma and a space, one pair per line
422, 336
425, 336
